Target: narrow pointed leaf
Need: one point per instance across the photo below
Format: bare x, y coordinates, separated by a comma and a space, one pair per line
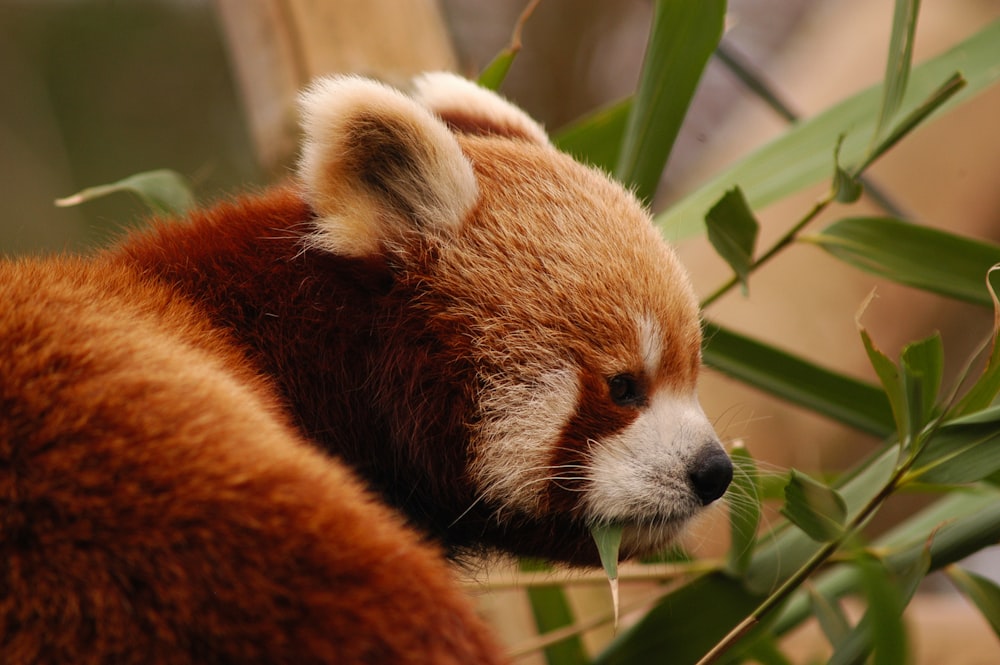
608, 538
495, 72
684, 35
959, 454
780, 554
801, 156
918, 256
743, 497
676, 628
897, 70
845, 399
890, 377
846, 187
830, 616
732, 230
922, 364
962, 523
818, 510
551, 610
163, 191
597, 138
951, 87
982, 591
985, 390
885, 614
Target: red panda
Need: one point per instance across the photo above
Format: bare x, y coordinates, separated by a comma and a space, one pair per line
254, 434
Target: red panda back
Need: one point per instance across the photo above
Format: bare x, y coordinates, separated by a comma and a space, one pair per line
155, 507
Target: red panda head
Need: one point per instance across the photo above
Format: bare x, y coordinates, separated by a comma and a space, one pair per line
578, 329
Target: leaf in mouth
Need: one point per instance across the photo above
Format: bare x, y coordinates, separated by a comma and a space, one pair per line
608, 538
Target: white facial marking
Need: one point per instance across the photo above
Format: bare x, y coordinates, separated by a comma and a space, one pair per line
641, 473
520, 425
651, 343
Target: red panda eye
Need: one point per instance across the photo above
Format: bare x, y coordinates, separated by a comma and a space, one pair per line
625, 390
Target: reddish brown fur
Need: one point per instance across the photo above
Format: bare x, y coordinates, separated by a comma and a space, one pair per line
166, 407
155, 506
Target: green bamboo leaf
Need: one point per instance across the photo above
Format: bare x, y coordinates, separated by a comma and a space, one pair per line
888, 374
743, 497
495, 72
551, 611
958, 454
830, 616
163, 191
915, 118
846, 187
887, 590
818, 510
988, 416
732, 230
961, 522
847, 400
917, 256
597, 138
801, 156
981, 591
783, 552
897, 70
766, 651
684, 34
985, 390
608, 538
922, 365
677, 626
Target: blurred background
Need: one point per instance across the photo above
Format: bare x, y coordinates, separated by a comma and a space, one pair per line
96, 90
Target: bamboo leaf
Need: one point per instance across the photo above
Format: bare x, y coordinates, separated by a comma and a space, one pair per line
888, 373
743, 497
677, 625
917, 256
959, 454
915, 118
981, 591
897, 69
830, 616
847, 400
608, 538
732, 230
683, 36
494, 73
163, 191
801, 156
551, 610
818, 510
922, 365
985, 390
597, 138
846, 187
962, 523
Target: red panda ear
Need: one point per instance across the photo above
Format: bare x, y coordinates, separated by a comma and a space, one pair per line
470, 109
375, 163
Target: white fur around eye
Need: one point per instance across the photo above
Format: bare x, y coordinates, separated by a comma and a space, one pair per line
520, 424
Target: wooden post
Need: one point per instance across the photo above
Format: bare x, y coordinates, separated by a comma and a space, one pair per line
277, 46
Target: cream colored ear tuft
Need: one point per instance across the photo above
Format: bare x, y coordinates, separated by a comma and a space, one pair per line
375, 164
470, 109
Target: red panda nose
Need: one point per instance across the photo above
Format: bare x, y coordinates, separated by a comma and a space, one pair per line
710, 473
